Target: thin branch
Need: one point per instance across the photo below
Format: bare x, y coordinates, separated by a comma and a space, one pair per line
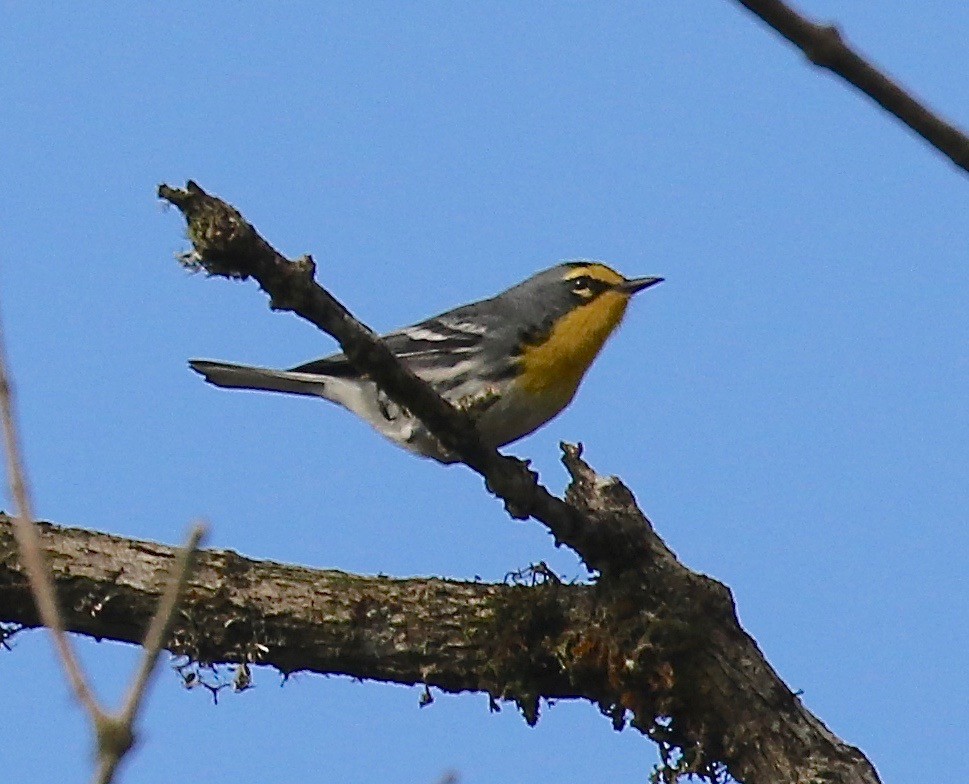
116, 733
227, 245
29, 543
825, 47
161, 624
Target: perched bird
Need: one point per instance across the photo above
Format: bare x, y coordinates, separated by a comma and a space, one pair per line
513, 361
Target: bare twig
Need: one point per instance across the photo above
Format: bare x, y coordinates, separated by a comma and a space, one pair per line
116, 732
28, 542
824, 46
161, 624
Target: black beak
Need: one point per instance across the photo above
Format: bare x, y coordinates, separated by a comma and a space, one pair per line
634, 285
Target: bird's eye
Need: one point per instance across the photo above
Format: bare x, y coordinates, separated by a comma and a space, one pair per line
582, 285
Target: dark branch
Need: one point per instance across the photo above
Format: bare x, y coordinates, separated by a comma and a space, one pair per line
227, 245
667, 654
825, 47
236, 610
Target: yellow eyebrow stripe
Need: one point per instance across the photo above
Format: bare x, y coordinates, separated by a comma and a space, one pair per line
597, 271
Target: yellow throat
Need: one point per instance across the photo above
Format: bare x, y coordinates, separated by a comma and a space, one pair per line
554, 368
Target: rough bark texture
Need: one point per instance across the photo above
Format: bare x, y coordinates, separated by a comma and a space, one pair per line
237, 610
657, 653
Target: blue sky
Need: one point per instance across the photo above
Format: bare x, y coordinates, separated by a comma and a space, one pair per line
789, 407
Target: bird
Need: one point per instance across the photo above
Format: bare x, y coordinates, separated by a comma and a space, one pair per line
512, 362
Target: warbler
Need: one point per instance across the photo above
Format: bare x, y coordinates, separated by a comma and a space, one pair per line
513, 362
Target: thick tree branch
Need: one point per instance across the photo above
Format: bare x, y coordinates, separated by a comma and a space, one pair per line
687, 661
237, 610
824, 46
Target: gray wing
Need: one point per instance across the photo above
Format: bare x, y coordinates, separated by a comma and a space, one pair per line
443, 350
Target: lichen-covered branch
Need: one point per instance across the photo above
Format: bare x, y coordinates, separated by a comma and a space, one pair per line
677, 667
824, 46
237, 610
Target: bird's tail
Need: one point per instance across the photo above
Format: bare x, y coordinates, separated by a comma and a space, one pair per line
225, 374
